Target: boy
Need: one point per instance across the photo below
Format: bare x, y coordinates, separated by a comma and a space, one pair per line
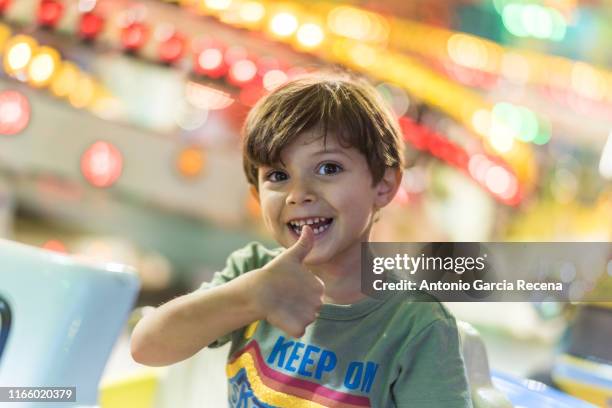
322, 156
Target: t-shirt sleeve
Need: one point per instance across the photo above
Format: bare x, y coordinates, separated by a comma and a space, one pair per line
252, 256
432, 373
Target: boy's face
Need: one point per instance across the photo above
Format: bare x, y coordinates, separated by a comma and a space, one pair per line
329, 186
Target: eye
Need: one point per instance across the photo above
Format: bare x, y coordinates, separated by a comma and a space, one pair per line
329, 168
276, 176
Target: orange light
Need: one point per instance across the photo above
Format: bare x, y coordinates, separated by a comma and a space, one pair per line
55, 246
253, 207
191, 162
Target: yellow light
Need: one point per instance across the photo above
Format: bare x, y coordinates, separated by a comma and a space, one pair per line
587, 82
501, 136
481, 121
357, 24
349, 22
5, 34
107, 107
218, 4
43, 66
515, 67
310, 35
83, 93
19, 53
467, 51
66, 80
363, 55
283, 24
252, 12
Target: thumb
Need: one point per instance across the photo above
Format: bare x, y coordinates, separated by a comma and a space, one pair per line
304, 244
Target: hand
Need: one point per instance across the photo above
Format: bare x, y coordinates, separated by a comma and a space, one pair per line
288, 295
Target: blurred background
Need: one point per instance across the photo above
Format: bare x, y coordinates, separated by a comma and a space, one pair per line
120, 129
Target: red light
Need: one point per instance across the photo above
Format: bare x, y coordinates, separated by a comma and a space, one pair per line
102, 164
49, 13
242, 72
496, 178
459, 157
134, 36
210, 62
501, 182
14, 112
413, 133
4, 5
172, 49
90, 26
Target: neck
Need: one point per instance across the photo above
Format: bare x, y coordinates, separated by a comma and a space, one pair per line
342, 276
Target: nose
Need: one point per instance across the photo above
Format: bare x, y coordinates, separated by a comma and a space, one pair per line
300, 192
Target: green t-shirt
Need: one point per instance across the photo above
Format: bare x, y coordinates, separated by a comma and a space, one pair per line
388, 352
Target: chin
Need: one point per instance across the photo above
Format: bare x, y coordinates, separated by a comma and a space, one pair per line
317, 257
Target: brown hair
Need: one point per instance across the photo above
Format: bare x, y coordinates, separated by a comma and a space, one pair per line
347, 106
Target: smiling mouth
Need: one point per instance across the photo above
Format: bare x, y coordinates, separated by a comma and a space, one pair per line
318, 224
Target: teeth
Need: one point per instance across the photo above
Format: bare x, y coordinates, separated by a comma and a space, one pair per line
319, 230
310, 221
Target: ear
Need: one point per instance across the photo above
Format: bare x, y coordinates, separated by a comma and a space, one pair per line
254, 192
387, 187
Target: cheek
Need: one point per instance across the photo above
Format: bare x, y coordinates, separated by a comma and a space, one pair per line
358, 207
271, 207
356, 200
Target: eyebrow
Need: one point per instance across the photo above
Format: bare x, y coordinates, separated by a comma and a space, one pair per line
332, 151
280, 165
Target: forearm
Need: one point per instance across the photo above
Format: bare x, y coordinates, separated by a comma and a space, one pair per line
183, 326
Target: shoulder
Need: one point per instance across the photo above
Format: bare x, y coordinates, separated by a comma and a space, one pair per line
419, 312
252, 256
